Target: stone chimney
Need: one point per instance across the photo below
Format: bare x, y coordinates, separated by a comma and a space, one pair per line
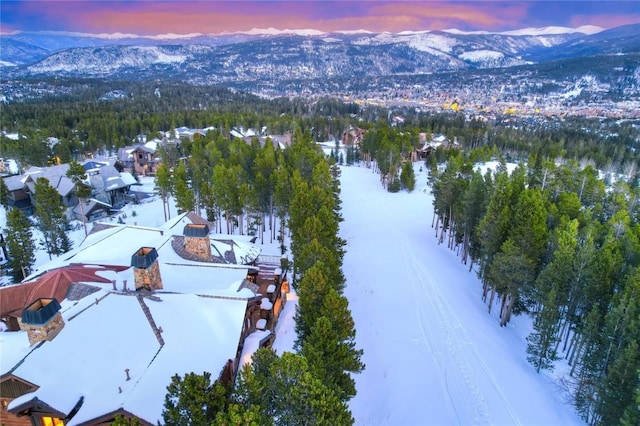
42, 320
196, 241
146, 270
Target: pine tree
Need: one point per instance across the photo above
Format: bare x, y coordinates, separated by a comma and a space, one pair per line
4, 194
474, 206
407, 176
185, 201
77, 175
312, 289
121, 420
509, 272
631, 416
239, 415
330, 347
287, 392
621, 381
494, 225
20, 244
193, 400
52, 222
164, 185
541, 342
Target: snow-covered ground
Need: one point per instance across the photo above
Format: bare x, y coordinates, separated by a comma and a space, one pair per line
433, 354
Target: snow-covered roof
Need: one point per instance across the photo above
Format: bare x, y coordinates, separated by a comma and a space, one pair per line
110, 334
236, 134
90, 205
116, 244
56, 175
195, 324
14, 183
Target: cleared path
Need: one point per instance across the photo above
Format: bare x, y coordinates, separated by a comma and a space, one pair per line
433, 355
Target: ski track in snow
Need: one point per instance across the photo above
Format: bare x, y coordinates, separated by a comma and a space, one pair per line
433, 354
460, 378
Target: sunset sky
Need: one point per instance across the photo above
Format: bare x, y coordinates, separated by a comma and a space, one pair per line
152, 17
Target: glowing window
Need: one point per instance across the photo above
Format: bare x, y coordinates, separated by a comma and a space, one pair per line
51, 421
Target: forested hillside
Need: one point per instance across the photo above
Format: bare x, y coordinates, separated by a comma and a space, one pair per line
558, 238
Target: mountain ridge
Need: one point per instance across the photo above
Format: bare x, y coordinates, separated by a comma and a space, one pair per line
277, 62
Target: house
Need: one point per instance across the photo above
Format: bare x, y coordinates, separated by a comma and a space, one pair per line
17, 194
57, 177
277, 141
353, 136
425, 146
139, 159
141, 305
109, 188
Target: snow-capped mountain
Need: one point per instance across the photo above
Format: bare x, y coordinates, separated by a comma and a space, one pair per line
279, 55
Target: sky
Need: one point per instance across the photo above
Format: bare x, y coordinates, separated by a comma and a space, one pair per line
153, 17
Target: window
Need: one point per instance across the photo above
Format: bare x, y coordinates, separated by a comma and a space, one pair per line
51, 421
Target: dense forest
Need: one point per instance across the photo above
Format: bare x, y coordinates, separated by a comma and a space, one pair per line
558, 238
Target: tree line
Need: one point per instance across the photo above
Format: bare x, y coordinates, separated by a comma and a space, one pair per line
314, 384
549, 240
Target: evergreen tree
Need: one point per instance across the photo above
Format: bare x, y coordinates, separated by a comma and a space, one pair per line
281, 194
621, 352
185, 201
77, 175
541, 342
494, 225
239, 415
312, 290
474, 206
4, 194
287, 392
121, 420
330, 348
621, 382
164, 187
509, 272
193, 400
631, 416
407, 176
20, 244
52, 221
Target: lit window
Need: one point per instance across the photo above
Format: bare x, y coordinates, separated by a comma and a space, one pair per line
51, 421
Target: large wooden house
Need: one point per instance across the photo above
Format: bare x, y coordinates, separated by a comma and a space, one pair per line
127, 310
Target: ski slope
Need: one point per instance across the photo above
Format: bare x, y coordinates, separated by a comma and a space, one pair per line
433, 354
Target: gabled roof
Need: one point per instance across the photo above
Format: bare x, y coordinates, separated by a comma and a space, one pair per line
90, 206
119, 348
118, 362
38, 405
14, 183
54, 283
56, 175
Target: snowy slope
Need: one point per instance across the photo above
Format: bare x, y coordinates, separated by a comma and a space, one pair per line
434, 355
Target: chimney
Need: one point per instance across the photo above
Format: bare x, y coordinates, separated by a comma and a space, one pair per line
42, 320
146, 270
196, 241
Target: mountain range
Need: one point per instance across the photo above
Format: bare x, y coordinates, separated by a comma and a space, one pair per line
268, 57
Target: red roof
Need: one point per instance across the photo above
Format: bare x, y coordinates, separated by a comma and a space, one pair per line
54, 283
